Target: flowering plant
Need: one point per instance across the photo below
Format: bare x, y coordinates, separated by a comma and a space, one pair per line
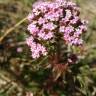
52, 21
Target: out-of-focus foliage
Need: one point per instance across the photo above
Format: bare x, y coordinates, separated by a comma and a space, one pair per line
20, 74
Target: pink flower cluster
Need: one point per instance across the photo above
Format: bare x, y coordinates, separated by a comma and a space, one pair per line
36, 48
48, 18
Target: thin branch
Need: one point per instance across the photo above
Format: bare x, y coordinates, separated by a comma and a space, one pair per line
12, 28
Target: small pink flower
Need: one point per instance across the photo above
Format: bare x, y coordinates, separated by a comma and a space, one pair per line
69, 29
49, 26
45, 36
30, 16
83, 27
62, 29
19, 49
29, 40
33, 28
74, 21
69, 3
29, 94
68, 14
41, 20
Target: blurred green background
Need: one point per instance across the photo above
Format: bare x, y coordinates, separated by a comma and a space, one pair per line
13, 64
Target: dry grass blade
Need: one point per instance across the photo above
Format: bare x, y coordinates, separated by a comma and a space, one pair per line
12, 28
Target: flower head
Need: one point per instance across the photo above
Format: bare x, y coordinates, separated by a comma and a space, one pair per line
50, 18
